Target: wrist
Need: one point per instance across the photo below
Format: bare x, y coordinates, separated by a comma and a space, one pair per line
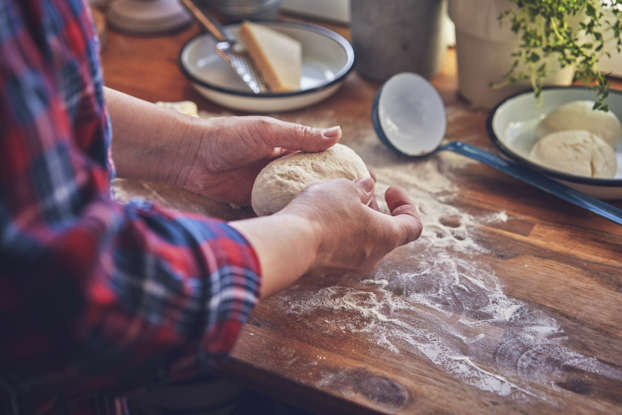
149, 142
191, 151
310, 228
306, 230
168, 156
285, 245
176, 156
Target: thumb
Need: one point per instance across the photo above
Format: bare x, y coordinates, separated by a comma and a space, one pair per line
292, 136
404, 214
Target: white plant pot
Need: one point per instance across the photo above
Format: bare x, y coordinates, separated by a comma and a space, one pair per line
484, 49
611, 65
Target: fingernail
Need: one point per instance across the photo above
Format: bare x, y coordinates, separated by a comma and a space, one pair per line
332, 132
367, 183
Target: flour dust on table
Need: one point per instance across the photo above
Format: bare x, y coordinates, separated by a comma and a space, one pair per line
435, 299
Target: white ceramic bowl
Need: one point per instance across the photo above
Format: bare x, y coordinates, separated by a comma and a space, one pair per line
511, 127
327, 58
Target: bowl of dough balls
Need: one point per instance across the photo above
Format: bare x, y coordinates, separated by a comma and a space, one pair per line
563, 137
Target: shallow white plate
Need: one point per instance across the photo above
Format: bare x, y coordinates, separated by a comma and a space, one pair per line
511, 127
326, 60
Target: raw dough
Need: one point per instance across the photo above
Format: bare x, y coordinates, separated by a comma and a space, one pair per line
579, 115
185, 107
281, 180
577, 152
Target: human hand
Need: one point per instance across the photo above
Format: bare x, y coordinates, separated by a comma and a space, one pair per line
232, 150
350, 234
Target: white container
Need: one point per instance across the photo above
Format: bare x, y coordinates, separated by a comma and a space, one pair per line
484, 49
333, 10
398, 36
612, 65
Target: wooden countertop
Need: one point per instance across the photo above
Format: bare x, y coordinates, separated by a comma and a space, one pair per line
511, 301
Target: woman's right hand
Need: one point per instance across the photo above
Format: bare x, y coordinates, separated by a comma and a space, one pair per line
349, 234
329, 226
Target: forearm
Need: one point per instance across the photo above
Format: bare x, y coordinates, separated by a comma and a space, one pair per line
149, 142
286, 246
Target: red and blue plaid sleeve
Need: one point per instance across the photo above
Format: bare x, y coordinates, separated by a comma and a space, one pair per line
94, 295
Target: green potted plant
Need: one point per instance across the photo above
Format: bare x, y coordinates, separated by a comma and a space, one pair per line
505, 46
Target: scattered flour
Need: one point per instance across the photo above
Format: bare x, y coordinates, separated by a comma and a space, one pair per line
434, 298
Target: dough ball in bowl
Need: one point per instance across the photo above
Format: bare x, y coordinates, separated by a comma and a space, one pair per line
577, 152
579, 115
282, 179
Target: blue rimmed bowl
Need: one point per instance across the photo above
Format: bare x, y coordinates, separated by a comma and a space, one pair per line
327, 58
511, 127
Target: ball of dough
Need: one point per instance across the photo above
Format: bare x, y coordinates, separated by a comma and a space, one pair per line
576, 152
282, 179
579, 115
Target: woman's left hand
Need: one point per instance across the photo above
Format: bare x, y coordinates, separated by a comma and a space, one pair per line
232, 151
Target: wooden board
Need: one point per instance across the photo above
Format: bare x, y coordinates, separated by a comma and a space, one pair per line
511, 302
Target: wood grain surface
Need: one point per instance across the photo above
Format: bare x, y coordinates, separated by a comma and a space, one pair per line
511, 301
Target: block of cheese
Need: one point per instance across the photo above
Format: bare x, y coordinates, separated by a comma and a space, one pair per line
276, 56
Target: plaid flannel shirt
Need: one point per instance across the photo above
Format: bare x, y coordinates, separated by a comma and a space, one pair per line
95, 297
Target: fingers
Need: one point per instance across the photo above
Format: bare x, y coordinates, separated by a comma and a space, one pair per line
405, 217
294, 136
365, 187
397, 197
350, 235
372, 174
374, 202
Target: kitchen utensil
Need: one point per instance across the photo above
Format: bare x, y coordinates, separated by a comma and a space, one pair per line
511, 127
327, 58
408, 116
229, 49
